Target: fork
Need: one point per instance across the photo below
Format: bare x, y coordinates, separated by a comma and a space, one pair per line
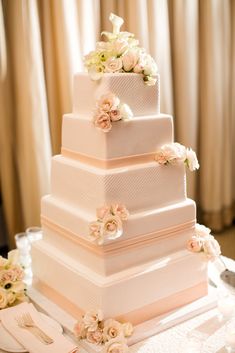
25, 321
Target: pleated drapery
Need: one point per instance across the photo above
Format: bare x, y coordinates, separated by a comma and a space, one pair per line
42, 44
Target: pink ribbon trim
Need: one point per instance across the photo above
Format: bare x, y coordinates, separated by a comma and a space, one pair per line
117, 247
138, 316
109, 163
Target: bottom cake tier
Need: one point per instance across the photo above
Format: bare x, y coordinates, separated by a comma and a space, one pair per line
136, 294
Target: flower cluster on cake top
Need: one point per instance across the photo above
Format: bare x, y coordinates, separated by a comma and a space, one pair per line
110, 333
175, 153
109, 110
12, 288
203, 241
120, 53
108, 224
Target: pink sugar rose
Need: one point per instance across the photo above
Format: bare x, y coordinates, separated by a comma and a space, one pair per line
92, 318
120, 210
112, 227
112, 329
102, 212
102, 121
80, 330
116, 345
211, 248
161, 158
130, 60
194, 244
96, 231
95, 337
115, 115
108, 102
113, 65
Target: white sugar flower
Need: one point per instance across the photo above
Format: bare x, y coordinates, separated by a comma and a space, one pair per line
191, 160
117, 22
118, 47
211, 248
201, 230
125, 111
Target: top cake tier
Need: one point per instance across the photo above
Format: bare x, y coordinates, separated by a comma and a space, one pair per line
128, 87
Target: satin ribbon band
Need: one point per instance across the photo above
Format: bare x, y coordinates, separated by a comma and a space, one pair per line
120, 246
136, 317
109, 163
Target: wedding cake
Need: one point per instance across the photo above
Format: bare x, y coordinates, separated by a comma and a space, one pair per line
118, 225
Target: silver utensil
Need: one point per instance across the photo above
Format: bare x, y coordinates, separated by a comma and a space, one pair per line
25, 321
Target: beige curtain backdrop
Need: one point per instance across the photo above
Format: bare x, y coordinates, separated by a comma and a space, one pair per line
42, 43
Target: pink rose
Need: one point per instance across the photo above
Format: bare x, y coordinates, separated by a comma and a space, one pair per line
113, 64
107, 102
115, 115
116, 345
211, 248
102, 212
194, 244
80, 330
112, 227
102, 121
92, 318
112, 329
161, 158
130, 60
95, 337
120, 210
96, 231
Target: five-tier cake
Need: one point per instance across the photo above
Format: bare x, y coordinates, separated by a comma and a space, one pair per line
117, 222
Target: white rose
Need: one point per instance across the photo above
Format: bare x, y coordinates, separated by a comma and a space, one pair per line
113, 64
128, 329
173, 152
125, 111
191, 160
130, 59
150, 67
92, 318
211, 248
116, 345
3, 298
201, 230
112, 329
